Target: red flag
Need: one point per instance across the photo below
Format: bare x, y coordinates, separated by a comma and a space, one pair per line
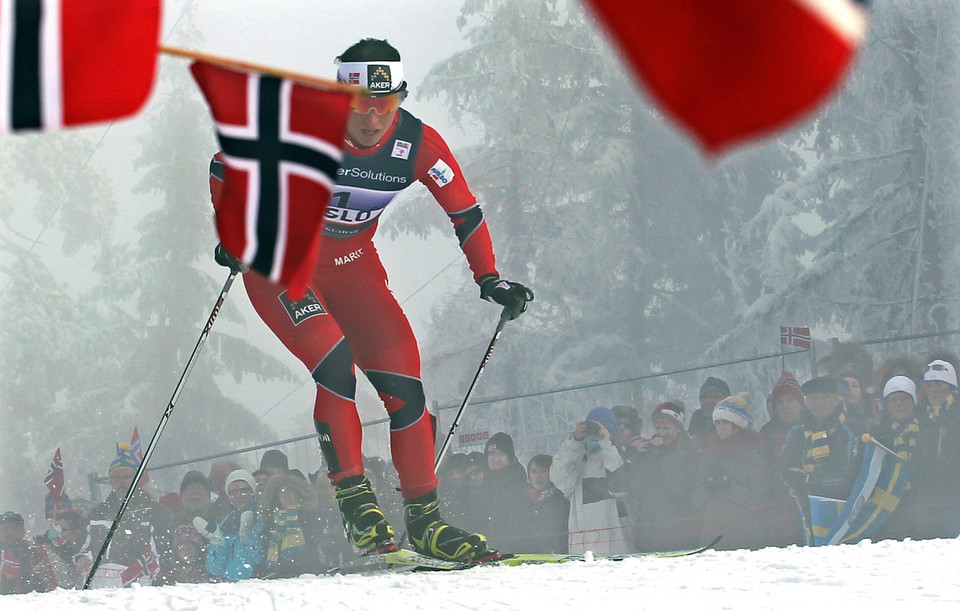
282, 146
137, 450
71, 62
146, 565
729, 70
795, 336
54, 478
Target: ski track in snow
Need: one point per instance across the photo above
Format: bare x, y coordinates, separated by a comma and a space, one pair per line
923, 574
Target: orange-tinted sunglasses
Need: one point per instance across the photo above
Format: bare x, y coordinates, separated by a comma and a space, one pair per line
382, 105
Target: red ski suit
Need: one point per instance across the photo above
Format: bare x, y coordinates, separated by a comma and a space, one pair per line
350, 318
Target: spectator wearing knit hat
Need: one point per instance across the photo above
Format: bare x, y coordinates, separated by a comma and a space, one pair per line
660, 481
31, 574
188, 564
196, 498
235, 550
712, 391
821, 455
586, 469
934, 472
784, 405
140, 533
508, 508
274, 461
731, 489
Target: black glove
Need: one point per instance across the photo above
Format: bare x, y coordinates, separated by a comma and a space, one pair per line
221, 256
513, 296
715, 479
796, 481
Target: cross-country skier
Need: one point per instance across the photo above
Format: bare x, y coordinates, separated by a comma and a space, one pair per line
349, 318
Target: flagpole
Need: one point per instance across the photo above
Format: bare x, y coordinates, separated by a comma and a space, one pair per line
227, 62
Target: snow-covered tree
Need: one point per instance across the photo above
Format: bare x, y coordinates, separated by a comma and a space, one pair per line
608, 214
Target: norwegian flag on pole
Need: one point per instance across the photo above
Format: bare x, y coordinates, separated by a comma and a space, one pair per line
72, 62
729, 70
281, 144
795, 336
54, 478
137, 450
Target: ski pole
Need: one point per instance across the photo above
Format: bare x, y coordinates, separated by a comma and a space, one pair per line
163, 423
504, 317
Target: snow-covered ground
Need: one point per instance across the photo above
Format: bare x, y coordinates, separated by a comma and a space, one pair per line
886, 575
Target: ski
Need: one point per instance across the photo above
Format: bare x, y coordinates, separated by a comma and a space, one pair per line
396, 560
522, 559
408, 560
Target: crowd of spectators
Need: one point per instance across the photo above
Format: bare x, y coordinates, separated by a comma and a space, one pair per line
716, 472
607, 488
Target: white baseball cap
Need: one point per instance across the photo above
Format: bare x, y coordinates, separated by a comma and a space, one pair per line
900, 384
940, 371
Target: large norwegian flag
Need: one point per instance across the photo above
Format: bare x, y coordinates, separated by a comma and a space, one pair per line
54, 479
729, 70
281, 144
72, 62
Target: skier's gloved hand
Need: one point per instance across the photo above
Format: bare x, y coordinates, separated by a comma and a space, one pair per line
221, 256
513, 296
210, 532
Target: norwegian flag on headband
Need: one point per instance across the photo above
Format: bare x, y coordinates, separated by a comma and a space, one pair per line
281, 146
72, 62
137, 450
728, 70
795, 336
54, 478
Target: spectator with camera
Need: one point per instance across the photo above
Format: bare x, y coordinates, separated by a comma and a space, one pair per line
660, 480
587, 470
60, 546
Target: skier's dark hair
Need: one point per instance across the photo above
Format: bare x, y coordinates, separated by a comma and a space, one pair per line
369, 50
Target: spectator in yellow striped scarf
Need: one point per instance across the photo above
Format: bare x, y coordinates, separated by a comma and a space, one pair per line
292, 527
821, 455
898, 428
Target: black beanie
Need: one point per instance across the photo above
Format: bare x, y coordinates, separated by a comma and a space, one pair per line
503, 443
194, 477
712, 383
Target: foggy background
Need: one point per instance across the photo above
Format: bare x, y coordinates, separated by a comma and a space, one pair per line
646, 257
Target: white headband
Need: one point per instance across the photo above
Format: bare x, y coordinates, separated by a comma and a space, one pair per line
377, 76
